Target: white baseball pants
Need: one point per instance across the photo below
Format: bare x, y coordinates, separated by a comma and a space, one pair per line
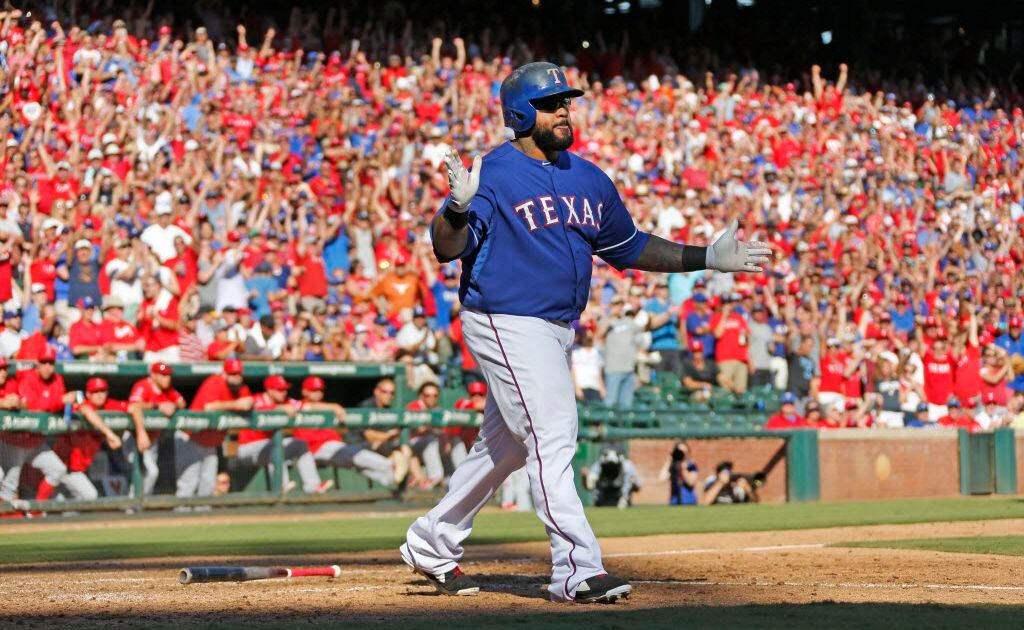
529, 418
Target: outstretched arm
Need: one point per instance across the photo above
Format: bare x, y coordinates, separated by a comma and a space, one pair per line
726, 254
448, 229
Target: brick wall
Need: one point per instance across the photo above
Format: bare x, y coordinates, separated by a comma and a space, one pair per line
854, 464
889, 464
747, 456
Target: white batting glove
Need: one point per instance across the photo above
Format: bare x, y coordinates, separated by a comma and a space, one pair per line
463, 183
727, 254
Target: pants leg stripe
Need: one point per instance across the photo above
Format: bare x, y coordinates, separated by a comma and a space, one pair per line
540, 463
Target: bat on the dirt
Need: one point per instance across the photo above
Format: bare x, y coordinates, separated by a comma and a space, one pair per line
195, 575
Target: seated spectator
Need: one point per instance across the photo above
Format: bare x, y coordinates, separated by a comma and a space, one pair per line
86, 334
920, 417
699, 372
958, 417
787, 417
992, 414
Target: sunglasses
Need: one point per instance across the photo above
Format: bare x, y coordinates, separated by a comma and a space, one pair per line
551, 103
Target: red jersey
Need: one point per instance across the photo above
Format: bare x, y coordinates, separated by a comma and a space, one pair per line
732, 345
315, 438
78, 449
967, 375
468, 434
313, 280
832, 369
781, 422
84, 333
963, 422
146, 391
118, 332
262, 402
157, 337
214, 389
938, 378
36, 395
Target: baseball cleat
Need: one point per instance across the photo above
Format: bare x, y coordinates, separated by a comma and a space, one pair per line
454, 582
603, 589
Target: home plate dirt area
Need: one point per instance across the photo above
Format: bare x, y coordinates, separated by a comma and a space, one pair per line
791, 567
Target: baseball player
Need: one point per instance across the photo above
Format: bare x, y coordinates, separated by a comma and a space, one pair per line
195, 454
153, 392
460, 439
40, 389
526, 223
328, 446
79, 448
254, 446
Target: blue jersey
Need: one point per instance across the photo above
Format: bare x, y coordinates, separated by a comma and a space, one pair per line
534, 228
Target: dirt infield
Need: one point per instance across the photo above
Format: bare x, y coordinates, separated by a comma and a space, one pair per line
668, 571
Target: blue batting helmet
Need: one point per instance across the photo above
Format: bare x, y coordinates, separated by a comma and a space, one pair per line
530, 82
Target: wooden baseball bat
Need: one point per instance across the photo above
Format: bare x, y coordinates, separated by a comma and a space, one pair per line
195, 575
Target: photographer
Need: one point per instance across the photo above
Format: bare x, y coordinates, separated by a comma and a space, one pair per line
725, 486
683, 477
613, 479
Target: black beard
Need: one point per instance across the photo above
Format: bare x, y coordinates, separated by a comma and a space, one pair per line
546, 140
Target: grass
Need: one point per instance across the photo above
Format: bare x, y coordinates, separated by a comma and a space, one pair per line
195, 538
999, 545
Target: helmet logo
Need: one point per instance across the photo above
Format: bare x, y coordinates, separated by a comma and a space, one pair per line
555, 74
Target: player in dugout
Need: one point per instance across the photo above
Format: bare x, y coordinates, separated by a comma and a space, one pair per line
153, 392
195, 454
254, 445
328, 445
77, 449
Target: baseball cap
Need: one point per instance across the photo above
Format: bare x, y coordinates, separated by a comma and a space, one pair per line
113, 301
12, 314
38, 287
988, 398
477, 388
313, 383
1015, 322
83, 244
161, 368
87, 302
4, 363
232, 366
788, 398
852, 404
885, 317
696, 345
48, 353
700, 298
953, 402
96, 384
275, 381
922, 407
419, 312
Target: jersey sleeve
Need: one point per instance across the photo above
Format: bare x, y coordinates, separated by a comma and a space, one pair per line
481, 209
619, 242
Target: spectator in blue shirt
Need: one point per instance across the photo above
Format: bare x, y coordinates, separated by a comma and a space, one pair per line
664, 328
1013, 342
698, 324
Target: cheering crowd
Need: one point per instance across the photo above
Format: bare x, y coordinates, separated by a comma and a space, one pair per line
171, 195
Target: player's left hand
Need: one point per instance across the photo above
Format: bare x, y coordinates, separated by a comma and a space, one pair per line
730, 255
463, 183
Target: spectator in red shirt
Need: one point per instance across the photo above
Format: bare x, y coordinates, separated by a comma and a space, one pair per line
159, 322
328, 445
787, 417
939, 369
118, 336
195, 454
153, 392
78, 448
832, 387
959, 418
732, 355
254, 445
310, 273
86, 335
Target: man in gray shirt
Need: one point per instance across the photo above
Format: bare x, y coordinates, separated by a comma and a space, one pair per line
622, 340
761, 337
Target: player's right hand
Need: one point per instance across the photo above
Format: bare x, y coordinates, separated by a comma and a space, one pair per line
463, 183
142, 441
